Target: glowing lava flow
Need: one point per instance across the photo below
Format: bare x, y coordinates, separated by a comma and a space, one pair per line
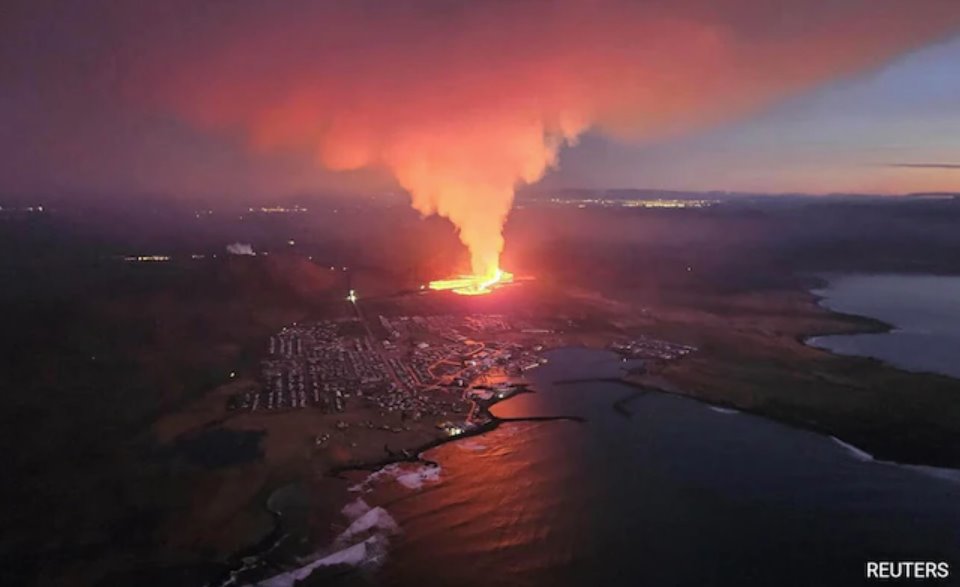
473, 285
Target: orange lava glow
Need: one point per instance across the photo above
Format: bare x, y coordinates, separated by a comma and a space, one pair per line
473, 285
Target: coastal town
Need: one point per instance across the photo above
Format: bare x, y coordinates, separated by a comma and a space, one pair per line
402, 374
417, 367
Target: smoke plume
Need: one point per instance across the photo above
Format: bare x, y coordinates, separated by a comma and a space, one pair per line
463, 101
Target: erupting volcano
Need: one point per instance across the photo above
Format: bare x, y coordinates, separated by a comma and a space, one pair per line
474, 285
461, 103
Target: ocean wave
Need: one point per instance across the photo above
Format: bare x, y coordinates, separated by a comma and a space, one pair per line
723, 410
944, 473
365, 543
471, 446
355, 509
855, 452
410, 476
371, 479
418, 478
370, 551
375, 521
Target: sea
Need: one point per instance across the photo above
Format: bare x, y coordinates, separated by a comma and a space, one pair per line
923, 311
651, 489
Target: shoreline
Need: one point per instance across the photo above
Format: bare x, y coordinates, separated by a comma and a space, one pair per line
241, 559
871, 326
490, 422
641, 389
849, 324
946, 473
860, 324
807, 426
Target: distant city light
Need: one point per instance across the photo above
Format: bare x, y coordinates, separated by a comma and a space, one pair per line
22, 210
278, 210
147, 258
633, 203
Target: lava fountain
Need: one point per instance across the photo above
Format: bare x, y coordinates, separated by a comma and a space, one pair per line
463, 102
473, 285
